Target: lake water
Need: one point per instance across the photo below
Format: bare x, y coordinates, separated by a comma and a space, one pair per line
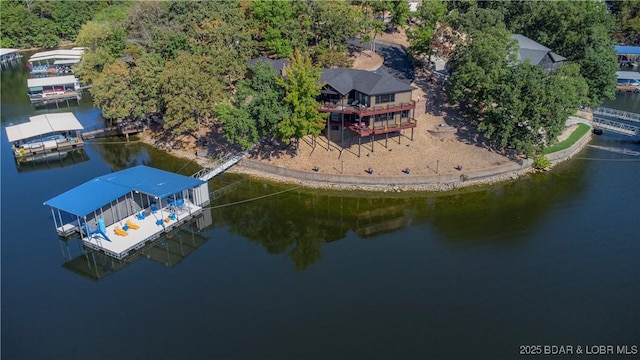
548, 259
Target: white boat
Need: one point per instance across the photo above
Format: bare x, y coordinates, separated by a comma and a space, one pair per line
50, 141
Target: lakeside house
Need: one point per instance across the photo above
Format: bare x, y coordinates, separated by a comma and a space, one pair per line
537, 54
363, 102
366, 103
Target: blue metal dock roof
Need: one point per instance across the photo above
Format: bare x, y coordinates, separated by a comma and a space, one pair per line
627, 50
97, 192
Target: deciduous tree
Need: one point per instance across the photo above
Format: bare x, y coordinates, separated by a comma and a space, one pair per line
302, 87
189, 92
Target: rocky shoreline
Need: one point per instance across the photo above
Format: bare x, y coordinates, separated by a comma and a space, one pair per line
435, 186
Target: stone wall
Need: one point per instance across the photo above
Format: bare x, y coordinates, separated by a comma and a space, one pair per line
408, 182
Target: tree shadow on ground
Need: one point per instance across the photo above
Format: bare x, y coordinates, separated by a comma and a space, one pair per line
437, 104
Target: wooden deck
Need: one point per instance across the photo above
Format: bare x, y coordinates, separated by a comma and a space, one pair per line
151, 228
367, 131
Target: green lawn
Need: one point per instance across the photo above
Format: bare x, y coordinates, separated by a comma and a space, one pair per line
575, 136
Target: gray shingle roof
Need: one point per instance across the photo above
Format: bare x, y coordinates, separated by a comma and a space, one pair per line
367, 82
533, 51
278, 64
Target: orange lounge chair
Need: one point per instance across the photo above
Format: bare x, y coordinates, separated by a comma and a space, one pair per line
120, 232
132, 225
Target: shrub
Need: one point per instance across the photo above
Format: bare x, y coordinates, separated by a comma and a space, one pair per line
541, 162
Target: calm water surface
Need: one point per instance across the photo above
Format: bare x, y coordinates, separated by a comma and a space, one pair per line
550, 259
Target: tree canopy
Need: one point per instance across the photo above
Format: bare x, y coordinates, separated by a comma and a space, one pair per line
256, 110
514, 104
44, 24
302, 87
577, 30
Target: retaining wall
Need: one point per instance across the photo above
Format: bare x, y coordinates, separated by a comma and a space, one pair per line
408, 182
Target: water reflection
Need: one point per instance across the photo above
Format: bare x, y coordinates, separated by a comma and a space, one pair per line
300, 222
58, 160
168, 250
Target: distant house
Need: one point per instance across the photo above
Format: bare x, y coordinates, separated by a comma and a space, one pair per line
277, 64
538, 54
366, 103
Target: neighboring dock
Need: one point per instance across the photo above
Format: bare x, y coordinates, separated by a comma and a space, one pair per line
55, 61
54, 90
45, 136
9, 57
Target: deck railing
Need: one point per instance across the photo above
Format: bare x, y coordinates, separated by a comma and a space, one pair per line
366, 131
363, 110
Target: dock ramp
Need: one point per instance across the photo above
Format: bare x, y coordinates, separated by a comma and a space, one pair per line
218, 167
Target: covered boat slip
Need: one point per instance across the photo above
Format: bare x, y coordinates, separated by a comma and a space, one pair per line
48, 61
140, 230
9, 55
57, 87
44, 134
628, 81
121, 211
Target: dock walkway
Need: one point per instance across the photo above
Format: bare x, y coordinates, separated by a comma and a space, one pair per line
617, 121
216, 168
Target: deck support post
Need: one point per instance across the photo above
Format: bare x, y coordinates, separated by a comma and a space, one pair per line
328, 133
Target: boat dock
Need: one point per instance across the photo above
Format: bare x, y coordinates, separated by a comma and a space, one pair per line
48, 90
628, 81
122, 212
45, 136
54, 61
9, 57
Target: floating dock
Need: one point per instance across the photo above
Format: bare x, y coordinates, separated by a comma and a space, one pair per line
45, 136
44, 91
9, 57
628, 81
121, 212
54, 61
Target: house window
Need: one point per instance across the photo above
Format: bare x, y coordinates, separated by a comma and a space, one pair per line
385, 98
405, 114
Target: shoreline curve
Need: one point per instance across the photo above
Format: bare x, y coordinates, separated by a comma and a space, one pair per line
434, 182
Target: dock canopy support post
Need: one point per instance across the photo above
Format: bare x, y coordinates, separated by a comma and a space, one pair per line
55, 222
